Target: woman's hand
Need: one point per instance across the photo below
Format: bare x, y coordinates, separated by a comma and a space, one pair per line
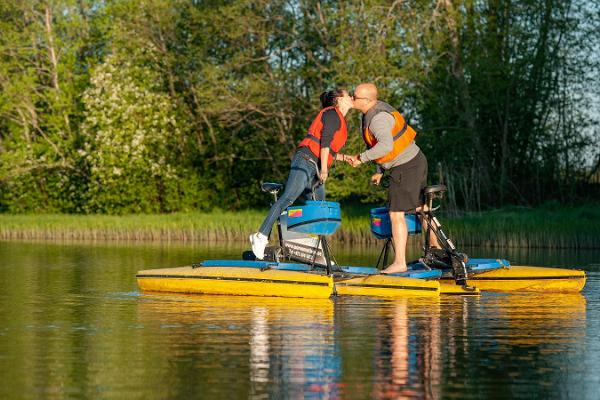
352, 160
342, 157
323, 176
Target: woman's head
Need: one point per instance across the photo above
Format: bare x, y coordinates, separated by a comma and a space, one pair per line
330, 98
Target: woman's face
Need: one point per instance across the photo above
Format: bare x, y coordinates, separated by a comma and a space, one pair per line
346, 100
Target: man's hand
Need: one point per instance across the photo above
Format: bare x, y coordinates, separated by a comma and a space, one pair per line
376, 179
323, 176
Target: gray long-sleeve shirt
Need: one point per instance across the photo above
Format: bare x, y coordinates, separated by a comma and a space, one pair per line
381, 127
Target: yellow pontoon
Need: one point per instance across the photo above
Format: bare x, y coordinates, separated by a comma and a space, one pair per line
526, 279
386, 286
367, 281
236, 281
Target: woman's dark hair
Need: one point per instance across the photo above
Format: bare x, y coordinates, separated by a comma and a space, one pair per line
329, 98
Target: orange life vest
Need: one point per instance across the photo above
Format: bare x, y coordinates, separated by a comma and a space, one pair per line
402, 133
313, 138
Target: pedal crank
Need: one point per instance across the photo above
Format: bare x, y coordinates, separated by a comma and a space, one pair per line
459, 269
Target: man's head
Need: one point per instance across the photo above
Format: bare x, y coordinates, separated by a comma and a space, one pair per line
364, 96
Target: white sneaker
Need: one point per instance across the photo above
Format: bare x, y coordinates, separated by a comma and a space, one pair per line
259, 242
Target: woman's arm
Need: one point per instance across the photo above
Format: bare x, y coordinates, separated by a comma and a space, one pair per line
324, 157
331, 123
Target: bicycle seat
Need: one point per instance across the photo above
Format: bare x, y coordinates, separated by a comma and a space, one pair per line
434, 189
271, 187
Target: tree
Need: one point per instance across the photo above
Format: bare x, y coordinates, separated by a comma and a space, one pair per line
43, 63
135, 145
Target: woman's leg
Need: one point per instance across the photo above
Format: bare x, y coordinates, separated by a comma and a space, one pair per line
301, 173
320, 192
317, 194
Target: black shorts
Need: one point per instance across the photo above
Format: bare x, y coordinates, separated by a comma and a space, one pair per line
407, 182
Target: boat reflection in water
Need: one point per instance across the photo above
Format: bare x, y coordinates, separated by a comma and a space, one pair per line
248, 343
489, 341
535, 319
402, 340
365, 348
520, 345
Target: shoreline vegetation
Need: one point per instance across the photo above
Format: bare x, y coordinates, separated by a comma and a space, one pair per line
545, 227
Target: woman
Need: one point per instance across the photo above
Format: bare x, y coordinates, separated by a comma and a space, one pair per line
326, 136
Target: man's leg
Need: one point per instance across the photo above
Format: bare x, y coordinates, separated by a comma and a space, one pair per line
406, 182
400, 237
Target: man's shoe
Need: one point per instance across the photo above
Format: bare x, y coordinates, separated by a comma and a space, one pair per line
259, 242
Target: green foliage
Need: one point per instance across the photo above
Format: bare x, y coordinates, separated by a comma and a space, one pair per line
134, 146
171, 105
43, 69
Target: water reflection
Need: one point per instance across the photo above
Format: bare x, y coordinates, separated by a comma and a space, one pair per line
259, 348
514, 344
289, 341
409, 350
72, 324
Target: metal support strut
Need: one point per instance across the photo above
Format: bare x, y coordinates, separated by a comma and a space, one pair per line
446, 257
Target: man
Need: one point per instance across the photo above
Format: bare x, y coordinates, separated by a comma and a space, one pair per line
390, 144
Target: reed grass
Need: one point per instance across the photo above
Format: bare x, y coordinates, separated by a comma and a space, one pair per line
572, 227
576, 227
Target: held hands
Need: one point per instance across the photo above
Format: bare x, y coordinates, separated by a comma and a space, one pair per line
352, 160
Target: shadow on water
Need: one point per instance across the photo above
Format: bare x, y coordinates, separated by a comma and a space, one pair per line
72, 324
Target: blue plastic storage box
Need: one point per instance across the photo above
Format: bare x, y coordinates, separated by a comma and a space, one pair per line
382, 227
316, 217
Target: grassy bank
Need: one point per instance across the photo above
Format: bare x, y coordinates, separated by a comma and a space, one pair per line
549, 228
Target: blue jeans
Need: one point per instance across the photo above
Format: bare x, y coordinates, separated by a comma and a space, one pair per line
303, 176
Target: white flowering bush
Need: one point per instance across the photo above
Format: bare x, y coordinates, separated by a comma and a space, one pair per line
134, 146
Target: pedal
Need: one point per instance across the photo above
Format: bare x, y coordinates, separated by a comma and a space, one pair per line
469, 288
460, 270
273, 253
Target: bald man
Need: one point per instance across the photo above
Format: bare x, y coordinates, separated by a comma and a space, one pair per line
391, 145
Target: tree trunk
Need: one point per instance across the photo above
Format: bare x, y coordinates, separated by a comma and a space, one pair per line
51, 48
464, 95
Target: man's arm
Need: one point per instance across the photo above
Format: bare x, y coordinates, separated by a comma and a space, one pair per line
381, 127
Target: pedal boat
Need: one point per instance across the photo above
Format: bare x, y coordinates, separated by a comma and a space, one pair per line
500, 276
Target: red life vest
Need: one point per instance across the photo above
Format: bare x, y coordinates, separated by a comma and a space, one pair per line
402, 133
313, 138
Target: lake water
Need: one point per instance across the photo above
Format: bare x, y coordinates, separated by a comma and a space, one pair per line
74, 325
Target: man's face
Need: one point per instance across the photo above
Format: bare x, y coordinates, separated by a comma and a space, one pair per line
360, 101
